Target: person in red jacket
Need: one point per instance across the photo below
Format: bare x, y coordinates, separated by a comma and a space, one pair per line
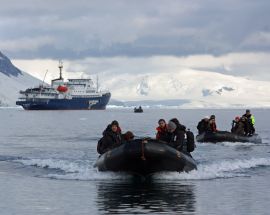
212, 124
162, 131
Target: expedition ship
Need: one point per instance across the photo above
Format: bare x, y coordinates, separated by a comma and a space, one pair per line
75, 94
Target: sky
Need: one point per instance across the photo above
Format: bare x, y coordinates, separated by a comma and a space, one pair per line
123, 36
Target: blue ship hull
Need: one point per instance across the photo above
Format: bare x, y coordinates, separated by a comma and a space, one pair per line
95, 103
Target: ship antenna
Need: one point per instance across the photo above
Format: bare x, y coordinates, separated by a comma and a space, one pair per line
60, 68
44, 77
43, 82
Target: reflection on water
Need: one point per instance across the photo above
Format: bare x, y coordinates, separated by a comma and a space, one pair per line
151, 197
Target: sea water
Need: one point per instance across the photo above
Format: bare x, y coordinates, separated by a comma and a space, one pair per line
47, 158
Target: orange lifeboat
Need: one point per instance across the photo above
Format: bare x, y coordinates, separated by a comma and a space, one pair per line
62, 89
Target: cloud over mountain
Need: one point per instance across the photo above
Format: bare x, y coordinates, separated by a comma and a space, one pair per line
79, 29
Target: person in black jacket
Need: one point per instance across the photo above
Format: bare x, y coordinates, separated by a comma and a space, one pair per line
180, 138
111, 138
114, 122
203, 125
177, 131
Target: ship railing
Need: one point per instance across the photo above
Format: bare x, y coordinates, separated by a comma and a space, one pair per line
22, 98
104, 91
87, 96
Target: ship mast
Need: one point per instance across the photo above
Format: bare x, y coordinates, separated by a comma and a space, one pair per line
60, 68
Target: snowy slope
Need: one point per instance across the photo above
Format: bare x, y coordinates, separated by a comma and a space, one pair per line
201, 88
11, 85
12, 80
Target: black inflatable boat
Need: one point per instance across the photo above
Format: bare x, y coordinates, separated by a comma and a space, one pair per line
143, 158
225, 136
138, 110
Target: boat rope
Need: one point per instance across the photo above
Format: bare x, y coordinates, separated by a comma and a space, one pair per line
143, 145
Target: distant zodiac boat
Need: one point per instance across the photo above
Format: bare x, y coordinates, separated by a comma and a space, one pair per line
225, 136
75, 94
138, 110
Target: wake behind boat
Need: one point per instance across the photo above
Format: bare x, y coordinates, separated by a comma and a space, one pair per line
144, 158
75, 94
225, 136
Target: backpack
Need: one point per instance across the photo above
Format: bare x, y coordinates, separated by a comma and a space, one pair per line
190, 141
99, 146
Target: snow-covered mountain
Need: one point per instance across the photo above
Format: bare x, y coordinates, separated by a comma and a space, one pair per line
190, 89
165, 82
12, 80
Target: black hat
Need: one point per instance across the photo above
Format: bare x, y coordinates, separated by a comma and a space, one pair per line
247, 111
212, 117
114, 122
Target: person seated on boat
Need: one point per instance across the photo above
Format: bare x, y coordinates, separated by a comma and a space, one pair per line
246, 126
235, 123
126, 137
180, 139
212, 124
189, 141
109, 127
162, 131
178, 124
177, 136
250, 122
238, 126
111, 138
203, 125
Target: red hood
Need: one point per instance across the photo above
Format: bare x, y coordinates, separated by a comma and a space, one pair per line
159, 129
